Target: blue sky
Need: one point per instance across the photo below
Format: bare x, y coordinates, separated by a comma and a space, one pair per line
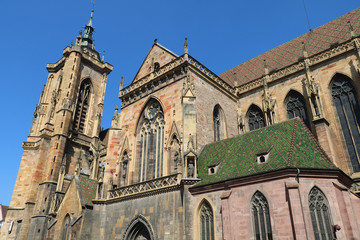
221, 34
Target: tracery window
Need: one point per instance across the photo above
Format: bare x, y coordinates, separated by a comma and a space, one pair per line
261, 217
82, 105
296, 107
348, 110
151, 141
66, 228
320, 215
206, 222
255, 118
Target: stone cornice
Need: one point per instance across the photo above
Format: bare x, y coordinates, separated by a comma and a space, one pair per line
297, 67
212, 78
272, 176
88, 55
166, 75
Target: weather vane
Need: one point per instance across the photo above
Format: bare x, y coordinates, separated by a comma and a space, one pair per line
93, 2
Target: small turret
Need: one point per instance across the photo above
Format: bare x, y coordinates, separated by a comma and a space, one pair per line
87, 39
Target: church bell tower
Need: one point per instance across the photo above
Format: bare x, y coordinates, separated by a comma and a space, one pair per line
63, 140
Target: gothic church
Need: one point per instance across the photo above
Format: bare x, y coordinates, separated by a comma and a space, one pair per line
269, 149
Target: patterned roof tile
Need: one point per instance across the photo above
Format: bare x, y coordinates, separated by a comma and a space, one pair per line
290, 145
318, 40
88, 189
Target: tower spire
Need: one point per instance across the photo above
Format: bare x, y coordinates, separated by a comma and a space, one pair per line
87, 39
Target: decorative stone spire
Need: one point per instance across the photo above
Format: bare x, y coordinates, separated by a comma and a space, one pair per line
356, 42
312, 87
87, 39
186, 49
78, 165
268, 101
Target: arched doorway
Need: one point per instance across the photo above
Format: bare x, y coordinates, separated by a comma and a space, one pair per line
139, 229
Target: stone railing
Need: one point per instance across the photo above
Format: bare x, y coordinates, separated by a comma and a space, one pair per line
142, 81
148, 187
211, 75
31, 145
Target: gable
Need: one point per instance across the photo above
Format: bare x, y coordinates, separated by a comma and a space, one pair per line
160, 54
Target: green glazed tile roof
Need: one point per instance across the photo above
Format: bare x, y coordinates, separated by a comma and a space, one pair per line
290, 145
88, 189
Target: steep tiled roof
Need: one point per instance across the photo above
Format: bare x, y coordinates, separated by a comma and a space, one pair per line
290, 145
88, 189
316, 41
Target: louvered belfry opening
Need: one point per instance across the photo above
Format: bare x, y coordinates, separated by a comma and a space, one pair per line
82, 106
348, 110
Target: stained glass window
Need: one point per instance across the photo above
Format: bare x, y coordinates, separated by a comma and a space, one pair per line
348, 110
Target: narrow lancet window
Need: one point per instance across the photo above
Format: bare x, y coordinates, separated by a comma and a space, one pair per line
320, 215
255, 118
295, 107
219, 123
348, 110
206, 222
261, 217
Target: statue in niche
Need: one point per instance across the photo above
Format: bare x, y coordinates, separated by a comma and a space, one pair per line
176, 160
190, 169
241, 121
124, 169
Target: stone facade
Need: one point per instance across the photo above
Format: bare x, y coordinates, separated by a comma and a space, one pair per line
146, 176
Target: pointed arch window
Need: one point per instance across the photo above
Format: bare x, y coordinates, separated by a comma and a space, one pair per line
348, 110
66, 228
296, 107
320, 215
219, 123
151, 141
206, 222
82, 105
255, 118
261, 217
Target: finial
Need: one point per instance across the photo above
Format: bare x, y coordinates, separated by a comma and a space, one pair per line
121, 83
155, 40
266, 68
71, 44
351, 29
304, 50
186, 49
235, 80
103, 56
116, 108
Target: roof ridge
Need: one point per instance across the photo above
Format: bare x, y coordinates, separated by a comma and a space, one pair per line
317, 144
292, 141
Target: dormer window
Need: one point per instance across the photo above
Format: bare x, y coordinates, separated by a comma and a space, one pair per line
263, 156
213, 169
